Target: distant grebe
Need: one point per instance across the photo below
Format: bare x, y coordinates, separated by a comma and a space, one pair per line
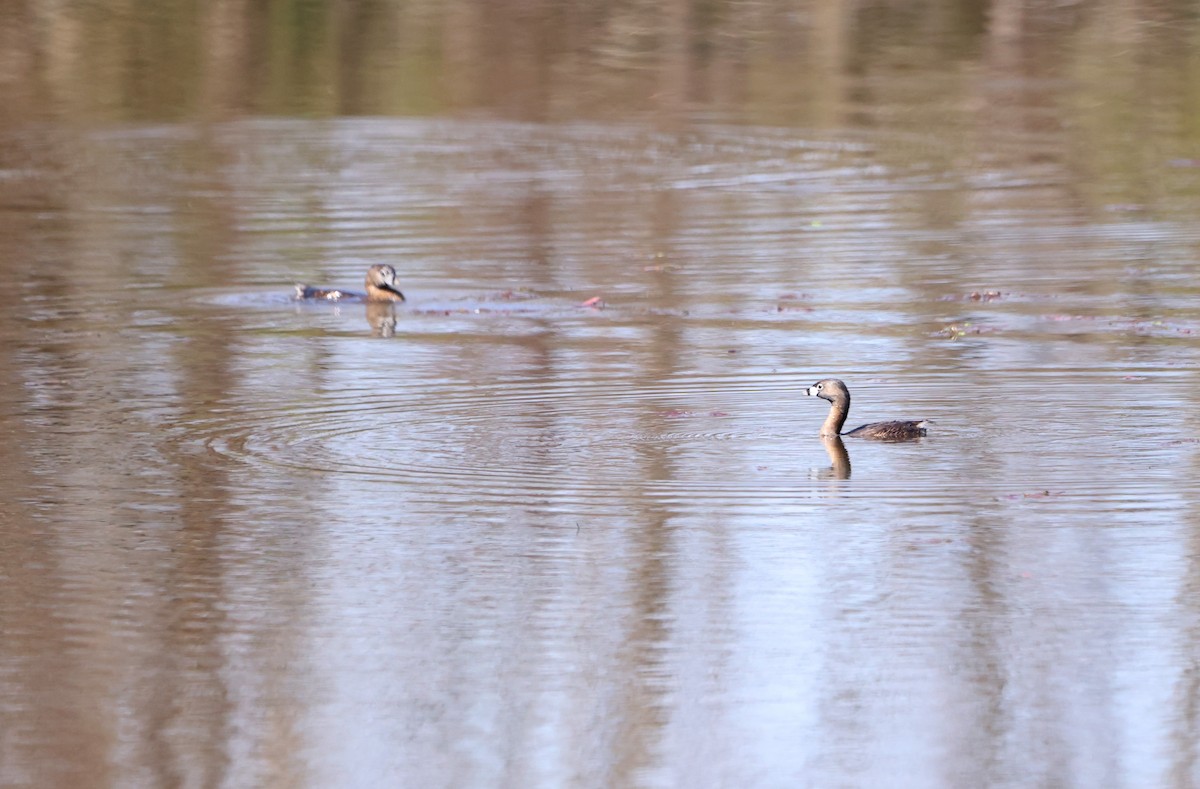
381, 286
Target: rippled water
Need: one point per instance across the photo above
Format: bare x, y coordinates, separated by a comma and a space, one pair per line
563, 518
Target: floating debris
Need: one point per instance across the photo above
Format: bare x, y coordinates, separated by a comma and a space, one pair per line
1041, 494
958, 330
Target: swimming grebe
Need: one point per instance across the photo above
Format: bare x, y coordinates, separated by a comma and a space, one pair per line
838, 396
381, 286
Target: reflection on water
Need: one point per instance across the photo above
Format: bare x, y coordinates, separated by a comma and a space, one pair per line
564, 517
382, 319
839, 458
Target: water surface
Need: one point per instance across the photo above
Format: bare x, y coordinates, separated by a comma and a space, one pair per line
563, 518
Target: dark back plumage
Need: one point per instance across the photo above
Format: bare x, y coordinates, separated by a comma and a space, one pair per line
838, 395
890, 431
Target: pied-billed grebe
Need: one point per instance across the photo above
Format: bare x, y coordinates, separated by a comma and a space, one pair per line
381, 286
838, 396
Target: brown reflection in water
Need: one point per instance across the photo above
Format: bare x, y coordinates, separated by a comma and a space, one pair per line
824, 64
53, 707
838, 457
381, 318
981, 615
638, 732
20, 80
116, 558
191, 617
535, 61
660, 588
228, 58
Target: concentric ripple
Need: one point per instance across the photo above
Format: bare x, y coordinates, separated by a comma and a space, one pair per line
513, 440
691, 442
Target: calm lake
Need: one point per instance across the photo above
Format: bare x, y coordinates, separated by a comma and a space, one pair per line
563, 517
